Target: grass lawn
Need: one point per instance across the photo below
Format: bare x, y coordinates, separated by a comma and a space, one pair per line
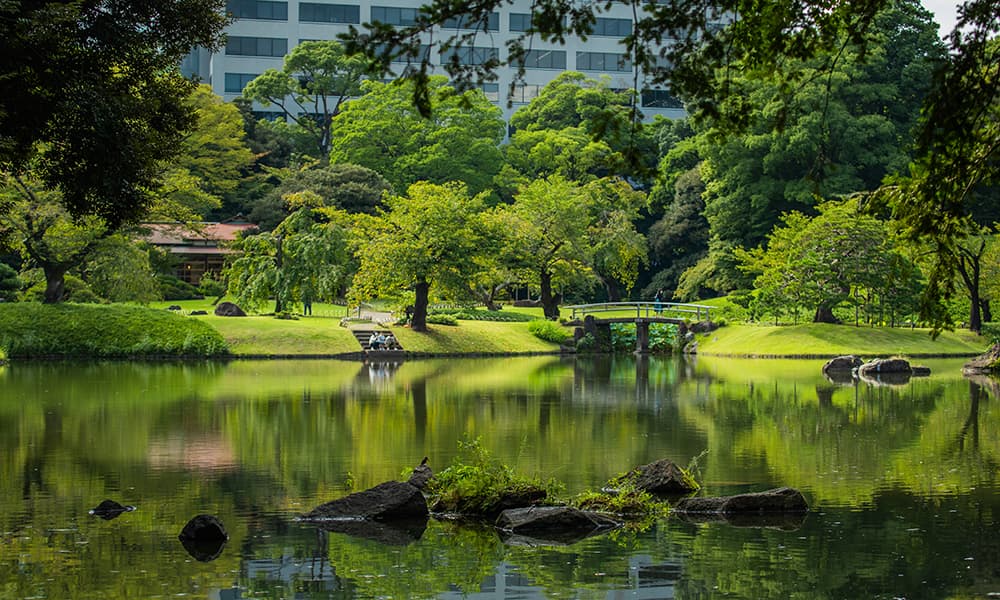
206, 304
470, 337
263, 335
820, 339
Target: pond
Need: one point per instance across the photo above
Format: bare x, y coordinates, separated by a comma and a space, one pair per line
901, 480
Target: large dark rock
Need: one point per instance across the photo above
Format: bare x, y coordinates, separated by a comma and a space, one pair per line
384, 502
770, 501
842, 364
881, 366
421, 475
559, 524
660, 477
988, 362
228, 309
508, 499
204, 537
109, 509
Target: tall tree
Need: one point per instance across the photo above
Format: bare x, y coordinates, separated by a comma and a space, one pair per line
310, 89
91, 97
382, 131
430, 237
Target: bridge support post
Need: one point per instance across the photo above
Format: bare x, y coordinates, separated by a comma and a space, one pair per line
641, 336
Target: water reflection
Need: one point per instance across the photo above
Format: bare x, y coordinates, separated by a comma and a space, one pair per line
902, 479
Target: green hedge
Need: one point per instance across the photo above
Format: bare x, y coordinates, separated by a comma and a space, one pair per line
29, 329
550, 331
471, 314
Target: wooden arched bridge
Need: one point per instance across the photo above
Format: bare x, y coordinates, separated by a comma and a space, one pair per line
640, 313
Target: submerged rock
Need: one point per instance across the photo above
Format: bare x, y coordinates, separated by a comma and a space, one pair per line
386, 501
786, 521
880, 366
988, 362
204, 537
660, 477
109, 509
558, 524
398, 532
778, 500
842, 364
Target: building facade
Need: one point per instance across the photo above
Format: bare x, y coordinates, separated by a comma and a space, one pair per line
266, 30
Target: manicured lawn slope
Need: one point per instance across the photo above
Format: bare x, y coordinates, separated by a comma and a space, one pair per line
260, 335
819, 339
471, 337
29, 329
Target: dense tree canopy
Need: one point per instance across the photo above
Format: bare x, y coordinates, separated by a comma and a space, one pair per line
383, 131
316, 79
91, 97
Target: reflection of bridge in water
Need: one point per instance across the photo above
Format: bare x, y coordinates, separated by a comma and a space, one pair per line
640, 313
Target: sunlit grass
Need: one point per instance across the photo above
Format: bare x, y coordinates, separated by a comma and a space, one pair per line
473, 337
820, 339
319, 309
266, 335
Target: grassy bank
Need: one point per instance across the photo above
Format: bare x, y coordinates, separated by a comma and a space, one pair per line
30, 330
819, 339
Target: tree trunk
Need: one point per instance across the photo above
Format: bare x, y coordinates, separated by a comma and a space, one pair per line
419, 322
824, 314
975, 316
987, 311
55, 283
612, 288
550, 307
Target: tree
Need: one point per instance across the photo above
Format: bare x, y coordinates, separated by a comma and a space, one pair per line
817, 263
352, 188
562, 230
310, 89
382, 131
430, 237
44, 232
9, 283
91, 97
568, 152
119, 270
679, 239
304, 258
210, 165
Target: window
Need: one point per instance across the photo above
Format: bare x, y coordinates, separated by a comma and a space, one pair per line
612, 27
310, 12
545, 59
660, 99
469, 56
523, 94
492, 23
235, 82
256, 46
258, 9
520, 21
392, 15
603, 61
268, 115
424, 50
492, 91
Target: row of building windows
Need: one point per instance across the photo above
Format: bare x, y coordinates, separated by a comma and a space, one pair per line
533, 59
521, 94
313, 12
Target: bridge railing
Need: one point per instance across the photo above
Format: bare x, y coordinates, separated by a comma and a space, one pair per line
700, 312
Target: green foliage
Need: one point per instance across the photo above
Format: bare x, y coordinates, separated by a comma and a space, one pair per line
74, 290
9, 283
172, 288
442, 319
991, 332
471, 314
549, 331
85, 331
588, 343
623, 337
118, 270
315, 80
626, 502
210, 286
662, 337
475, 485
381, 130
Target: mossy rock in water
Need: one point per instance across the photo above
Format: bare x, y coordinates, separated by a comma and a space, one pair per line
662, 477
986, 363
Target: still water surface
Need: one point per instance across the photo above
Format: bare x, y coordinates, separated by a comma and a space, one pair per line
902, 479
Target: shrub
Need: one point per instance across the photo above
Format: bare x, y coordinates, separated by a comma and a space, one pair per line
74, 290
172, 288
550, 331
439, 319
587, 343
103, 331
210, 286
475, 486
471, 314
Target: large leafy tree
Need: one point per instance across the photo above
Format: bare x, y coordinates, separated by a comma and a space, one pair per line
312, 85
560, 230
819, 263
430, 237
91, 97
305, 258
383, 131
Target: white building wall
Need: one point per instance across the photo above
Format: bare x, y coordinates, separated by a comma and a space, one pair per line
213, 67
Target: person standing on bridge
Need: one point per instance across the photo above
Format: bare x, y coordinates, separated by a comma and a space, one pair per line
658, 302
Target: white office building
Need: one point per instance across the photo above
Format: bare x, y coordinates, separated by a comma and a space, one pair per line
266, 30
